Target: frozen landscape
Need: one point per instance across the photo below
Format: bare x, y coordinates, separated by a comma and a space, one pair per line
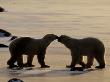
75, 18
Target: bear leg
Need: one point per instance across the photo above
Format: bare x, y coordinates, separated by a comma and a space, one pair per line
90, 60
11, 62
101, 62
20, 61
41, 61
29, 61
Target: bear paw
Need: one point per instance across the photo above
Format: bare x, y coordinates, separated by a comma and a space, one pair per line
45, 66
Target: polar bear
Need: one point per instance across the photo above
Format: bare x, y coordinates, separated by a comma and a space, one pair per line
30, 47
90, 47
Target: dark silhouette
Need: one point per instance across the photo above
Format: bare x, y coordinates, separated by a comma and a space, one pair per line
15, 80
13, 37
3, 45
29, 46
90, 47
4, 33
2, 9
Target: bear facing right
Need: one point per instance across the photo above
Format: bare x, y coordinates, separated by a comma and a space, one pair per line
30, 47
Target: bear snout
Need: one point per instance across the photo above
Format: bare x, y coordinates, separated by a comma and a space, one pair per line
59, 39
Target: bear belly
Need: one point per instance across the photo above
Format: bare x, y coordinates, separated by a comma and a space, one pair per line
30, 51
